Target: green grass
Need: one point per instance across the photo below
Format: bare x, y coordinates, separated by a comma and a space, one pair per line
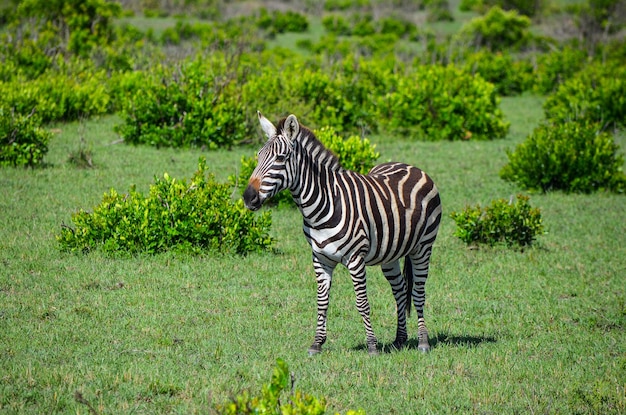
539, 331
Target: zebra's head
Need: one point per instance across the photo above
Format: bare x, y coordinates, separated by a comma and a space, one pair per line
273, 172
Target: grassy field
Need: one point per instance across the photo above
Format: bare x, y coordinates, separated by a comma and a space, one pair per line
539, 331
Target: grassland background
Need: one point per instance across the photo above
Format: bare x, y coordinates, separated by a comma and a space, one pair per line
539, 331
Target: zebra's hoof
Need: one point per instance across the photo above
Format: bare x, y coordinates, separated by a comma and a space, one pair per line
372, 350
315, 349
423, 348
398, 345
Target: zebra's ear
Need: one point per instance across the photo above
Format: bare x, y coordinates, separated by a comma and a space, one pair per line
266, 125
291, 128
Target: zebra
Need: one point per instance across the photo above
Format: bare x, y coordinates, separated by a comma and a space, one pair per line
357, 220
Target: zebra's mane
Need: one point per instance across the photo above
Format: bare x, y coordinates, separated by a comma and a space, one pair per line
317, 151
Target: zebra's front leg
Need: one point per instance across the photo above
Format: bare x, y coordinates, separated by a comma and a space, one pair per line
357, 272
324, 275
399, 288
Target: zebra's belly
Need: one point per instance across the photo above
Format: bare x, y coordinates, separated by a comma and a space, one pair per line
333, 249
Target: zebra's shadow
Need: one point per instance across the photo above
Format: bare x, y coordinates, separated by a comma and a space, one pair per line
443, 338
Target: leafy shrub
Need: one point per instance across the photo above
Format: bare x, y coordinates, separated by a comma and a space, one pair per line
195, 105
354, 153
323, 97
515, 224
75, 26
443, 103
57, 96
174, 215
509, 77
270, 400
498, 30
556, 67
22, 140
595, 95
282, 22
337, 25
572, 156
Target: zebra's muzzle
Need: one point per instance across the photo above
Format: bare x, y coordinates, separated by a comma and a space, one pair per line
251, 198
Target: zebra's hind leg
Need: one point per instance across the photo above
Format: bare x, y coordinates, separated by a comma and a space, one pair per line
419, 267
324, 274
399, 289
356, 266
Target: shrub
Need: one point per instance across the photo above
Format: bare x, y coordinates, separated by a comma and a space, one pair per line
194, 105
175, 215
498, 30
57, 96
322, 96
443, 103
595, 95
354, 153
572, 156
554, 68
509, 77
272, 400
282, 22
22, 140
504, 221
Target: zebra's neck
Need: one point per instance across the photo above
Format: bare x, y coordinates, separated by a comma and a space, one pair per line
319, 169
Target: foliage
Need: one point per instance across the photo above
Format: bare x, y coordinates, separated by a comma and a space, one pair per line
528, 8
75, 26
509, 76
514, 223
572, 156
22, 140
596, 94
58, 97
354, 153
554, 68
282, 22
269, 401
196, 104
174, 215
497, 30
443, 103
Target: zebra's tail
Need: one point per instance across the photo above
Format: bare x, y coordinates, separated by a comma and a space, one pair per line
408, 278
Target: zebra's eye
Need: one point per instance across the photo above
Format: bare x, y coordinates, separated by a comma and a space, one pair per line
280, 158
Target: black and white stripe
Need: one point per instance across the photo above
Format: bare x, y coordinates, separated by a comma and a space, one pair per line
357, 220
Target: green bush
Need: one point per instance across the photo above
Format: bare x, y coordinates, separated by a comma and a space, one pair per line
196, 104
504, 221
354, 153
572, 157
509, 76
596, 94
22, 140
58, 96
443, 103
497, 30
282, 22
185, 217
323, 96
276, 400
554, 68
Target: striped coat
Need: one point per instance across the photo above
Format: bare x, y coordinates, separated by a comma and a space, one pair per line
356, 220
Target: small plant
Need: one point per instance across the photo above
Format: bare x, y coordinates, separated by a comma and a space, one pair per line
596, 94
23, 142
497, 30
573, 157
175, 215
269, 401
443, 103
504, 221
